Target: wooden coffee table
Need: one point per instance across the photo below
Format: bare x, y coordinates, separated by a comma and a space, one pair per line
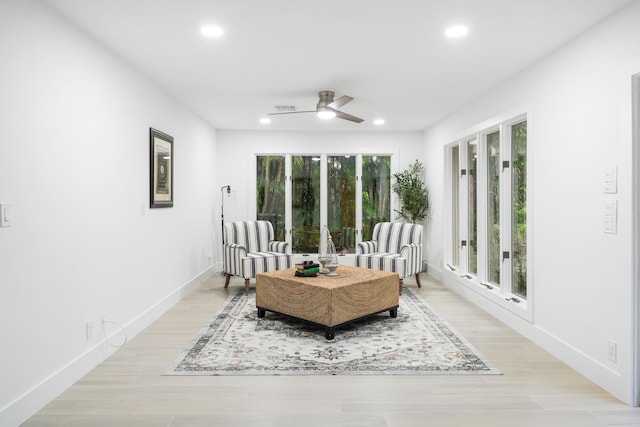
328, 301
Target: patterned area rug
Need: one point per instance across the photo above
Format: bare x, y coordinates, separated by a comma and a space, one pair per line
237, 342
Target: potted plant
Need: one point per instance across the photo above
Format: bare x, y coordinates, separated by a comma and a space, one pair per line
412, 193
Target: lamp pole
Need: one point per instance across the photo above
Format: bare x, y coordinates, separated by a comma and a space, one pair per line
228, 187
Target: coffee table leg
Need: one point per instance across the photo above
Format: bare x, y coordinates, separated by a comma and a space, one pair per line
329, 333
261, 312
393, 312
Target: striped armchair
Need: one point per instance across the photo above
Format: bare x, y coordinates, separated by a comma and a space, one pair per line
249, 249
395, 247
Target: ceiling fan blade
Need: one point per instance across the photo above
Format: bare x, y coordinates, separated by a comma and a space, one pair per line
340, 102
291, 112
349, 117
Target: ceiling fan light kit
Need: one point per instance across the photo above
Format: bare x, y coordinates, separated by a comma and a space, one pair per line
327, 107
326, 114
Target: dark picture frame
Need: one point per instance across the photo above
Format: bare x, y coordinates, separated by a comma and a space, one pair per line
161, 168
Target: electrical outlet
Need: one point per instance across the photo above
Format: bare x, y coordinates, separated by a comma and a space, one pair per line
88, 328
612, 351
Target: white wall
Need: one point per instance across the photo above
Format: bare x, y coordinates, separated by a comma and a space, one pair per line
74, 163
238, 149
579, 106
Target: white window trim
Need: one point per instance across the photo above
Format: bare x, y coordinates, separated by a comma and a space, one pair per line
393, 165
460, 278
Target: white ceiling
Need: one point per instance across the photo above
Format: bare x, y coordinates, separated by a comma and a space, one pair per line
390, 56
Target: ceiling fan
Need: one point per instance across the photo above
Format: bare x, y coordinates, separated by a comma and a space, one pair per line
327, 107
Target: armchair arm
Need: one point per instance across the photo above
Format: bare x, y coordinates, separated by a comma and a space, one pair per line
276, 246
233, 254
368, 247
413, 254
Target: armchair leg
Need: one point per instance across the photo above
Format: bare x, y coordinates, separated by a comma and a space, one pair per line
246, 286
226, 280
418, 280
400, 287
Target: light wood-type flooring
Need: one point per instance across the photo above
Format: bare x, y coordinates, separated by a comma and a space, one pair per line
536, 389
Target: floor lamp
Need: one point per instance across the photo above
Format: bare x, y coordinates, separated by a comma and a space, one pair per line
228, 187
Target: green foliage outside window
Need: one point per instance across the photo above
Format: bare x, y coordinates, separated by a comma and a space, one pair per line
270, 189
305, 198
493, 184
376, 193
519, 208
306, 203
341, 203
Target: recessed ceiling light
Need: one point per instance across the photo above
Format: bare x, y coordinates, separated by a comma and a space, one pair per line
378, 122
265, 120
211, 31
457, 31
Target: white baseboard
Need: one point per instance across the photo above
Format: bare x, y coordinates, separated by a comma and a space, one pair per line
30, 402
434, 271
586, 365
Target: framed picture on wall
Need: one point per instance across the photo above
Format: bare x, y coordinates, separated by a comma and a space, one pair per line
161, 168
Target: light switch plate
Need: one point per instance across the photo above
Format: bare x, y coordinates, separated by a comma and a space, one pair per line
610, 180
610, 216
5, 215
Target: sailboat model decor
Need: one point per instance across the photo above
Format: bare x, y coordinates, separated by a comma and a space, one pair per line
327, 255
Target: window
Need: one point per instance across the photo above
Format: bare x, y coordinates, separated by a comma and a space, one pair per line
493, 204
348, 193
519, 208
341, 202
376, 196
472, 206
488, 216
270, 191
305, 176
455, 199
